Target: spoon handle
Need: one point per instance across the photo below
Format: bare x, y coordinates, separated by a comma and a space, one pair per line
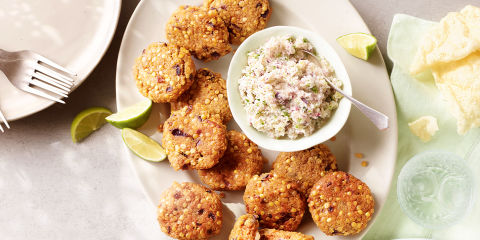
379, 119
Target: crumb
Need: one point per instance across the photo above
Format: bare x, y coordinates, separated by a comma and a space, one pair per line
221, 194
359, 155
160, 127
424, 128
364, 163
333, 138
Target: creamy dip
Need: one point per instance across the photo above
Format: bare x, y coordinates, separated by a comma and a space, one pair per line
284, 93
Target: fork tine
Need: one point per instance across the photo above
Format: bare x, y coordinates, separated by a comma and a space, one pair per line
4, 120
51, 81
67, 81
53, 64
47, 87
42, 94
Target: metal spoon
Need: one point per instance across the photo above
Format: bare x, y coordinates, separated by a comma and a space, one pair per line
379, 119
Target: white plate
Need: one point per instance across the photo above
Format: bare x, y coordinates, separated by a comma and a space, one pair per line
370, 84
74, 34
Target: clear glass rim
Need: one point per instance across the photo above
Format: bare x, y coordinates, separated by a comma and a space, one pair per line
421, 157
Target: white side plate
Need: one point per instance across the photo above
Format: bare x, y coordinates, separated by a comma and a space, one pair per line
74, 34
370, 84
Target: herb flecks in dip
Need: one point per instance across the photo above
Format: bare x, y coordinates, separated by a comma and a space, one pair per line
283, 92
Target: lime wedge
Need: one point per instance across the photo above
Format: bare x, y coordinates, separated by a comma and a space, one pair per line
87, 121
143, 146
360, 45
133, 116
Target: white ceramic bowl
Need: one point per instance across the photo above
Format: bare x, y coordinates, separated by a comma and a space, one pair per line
239, 61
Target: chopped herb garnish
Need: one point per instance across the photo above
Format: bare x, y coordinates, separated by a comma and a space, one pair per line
314, 89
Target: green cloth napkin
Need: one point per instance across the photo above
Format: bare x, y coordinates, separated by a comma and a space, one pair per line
414, 99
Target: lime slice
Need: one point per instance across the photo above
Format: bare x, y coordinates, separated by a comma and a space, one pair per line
87, 121
360, 45
133, 116
143, 146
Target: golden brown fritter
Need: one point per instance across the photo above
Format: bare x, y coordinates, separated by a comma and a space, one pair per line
276, 201
193, 139
190, 211
163, 72
242, 160
200, 30
341, 204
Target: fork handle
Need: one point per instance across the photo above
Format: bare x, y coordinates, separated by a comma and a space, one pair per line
6, 55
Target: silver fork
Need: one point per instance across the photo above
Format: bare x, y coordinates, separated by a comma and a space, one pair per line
379, 119
31, 72
4, 121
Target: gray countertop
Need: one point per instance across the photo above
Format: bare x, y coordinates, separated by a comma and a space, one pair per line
53, 189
